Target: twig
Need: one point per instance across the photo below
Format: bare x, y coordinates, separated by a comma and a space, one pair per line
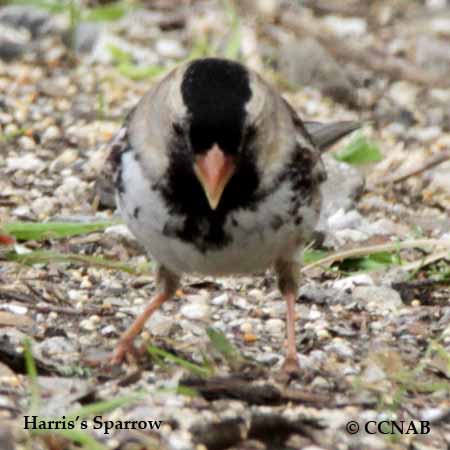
416, 265
45, 309
323, 8
433, 161
364, 251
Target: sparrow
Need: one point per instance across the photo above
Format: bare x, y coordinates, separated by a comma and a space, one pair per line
216, 174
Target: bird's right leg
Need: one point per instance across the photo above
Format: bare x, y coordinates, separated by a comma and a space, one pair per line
167, 283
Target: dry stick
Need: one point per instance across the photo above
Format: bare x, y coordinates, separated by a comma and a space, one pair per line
363, 251
46, 309
394, 68
322, 7
434, 160
416, 265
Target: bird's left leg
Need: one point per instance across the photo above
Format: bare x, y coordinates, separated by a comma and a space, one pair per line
288, 274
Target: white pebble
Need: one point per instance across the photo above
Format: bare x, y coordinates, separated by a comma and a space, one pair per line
221, 299
350, 282
26, 143
65, 159
314, 313
88, 324
159, 324
43, 206
76, 295
51, 133
196, 311
246, 327
256, 293
170, 48
275, 326
109, 329
16, 309
346, 26
241, 303
86, 283
27, 162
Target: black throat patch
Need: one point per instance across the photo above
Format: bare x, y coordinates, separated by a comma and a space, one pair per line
193, 220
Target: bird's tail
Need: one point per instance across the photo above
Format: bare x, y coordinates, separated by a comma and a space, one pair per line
325, 135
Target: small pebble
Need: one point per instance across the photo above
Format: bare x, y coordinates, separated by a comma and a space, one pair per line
26, 143
195, 311
323, 334
86, 283
76, 295
246, 327
108, 330
320, 383
27, 163
88, 324
241, 303
250, 338
256, 293
50, 134
275, 326
220, 299
170, 48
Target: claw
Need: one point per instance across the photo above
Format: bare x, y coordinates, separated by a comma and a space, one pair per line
125, 350
290, 366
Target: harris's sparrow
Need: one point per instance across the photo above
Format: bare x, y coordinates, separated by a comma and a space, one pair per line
216, 174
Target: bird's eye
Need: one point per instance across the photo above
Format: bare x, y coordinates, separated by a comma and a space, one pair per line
178, 129
249, 135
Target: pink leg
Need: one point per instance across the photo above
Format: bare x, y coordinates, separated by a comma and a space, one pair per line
125, 344
290, 364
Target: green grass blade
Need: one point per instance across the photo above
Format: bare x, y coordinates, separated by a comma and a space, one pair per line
375, 261
360, 150
119, 55
7, 137
101, 407
192, 367
106, 13
225, 348
201, 47
48, 256
53, 6
137, 73
310, 256
233, 46
31, 370
26, 231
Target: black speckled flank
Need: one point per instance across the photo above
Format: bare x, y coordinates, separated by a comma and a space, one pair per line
119, 146
215, 92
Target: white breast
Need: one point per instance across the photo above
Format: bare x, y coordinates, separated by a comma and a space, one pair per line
255, 243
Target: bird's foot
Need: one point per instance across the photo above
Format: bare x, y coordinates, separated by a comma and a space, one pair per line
124, 351
290, 365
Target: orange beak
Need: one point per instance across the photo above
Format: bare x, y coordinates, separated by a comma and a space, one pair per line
214, 170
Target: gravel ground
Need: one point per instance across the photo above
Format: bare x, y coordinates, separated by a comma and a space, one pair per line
374, 345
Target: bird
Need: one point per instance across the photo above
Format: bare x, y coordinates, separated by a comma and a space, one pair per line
216, 174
